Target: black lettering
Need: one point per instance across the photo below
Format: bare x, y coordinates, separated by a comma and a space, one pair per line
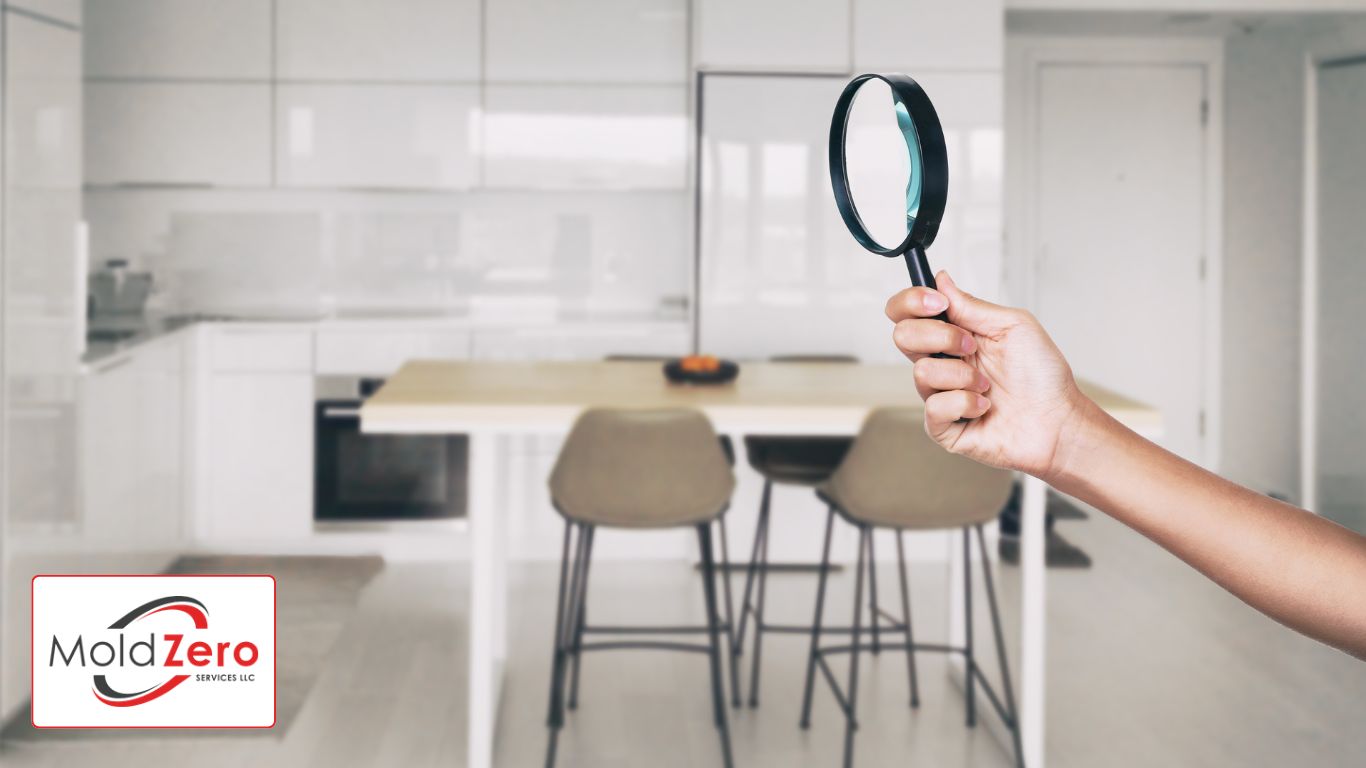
96, 647
77, 649
149, 644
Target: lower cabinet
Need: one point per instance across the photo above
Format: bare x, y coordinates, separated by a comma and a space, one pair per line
258, 455
132, 448
254, 457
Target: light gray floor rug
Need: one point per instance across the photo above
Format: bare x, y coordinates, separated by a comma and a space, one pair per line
315, 596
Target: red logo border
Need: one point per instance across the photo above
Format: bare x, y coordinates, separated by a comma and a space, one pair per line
275, 659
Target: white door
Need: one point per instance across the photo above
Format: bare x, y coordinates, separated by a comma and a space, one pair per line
1120, 226
1340, 471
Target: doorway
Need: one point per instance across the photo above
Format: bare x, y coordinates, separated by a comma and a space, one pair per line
1119, 166
1335, 277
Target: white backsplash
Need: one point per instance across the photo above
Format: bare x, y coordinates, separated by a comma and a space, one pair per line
300, 252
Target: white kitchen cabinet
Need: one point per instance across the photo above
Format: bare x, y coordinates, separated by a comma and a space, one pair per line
753, 35
376, 136
215, 134
587, 41
374, 352
40, 272
254, 472
366, 40
917, 35
132, 448
191, 39
585, 137
67, 11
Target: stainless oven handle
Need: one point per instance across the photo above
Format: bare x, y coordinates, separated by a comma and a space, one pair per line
341, 413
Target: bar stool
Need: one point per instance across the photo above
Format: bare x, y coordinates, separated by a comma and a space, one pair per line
895, 477
786, 460
636, 469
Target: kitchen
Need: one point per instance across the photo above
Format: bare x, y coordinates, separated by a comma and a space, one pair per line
228, 226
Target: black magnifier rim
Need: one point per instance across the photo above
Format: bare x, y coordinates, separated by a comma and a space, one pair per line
934, 185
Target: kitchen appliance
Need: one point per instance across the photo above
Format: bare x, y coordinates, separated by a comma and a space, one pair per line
113, 290
359, 477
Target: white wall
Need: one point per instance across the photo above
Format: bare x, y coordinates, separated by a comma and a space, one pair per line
1263, 166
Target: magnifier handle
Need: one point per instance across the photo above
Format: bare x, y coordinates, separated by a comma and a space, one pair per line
919, 267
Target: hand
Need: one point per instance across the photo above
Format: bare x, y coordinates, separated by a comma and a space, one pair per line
1011, 383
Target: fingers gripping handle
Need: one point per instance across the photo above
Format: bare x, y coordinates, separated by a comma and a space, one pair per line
919, 267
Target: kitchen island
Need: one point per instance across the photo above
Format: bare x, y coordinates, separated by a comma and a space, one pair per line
494, 401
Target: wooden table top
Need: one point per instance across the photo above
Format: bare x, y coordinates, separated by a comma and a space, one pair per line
447, 396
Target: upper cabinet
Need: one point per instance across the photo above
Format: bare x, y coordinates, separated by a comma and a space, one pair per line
376, 136
215, 134
366, 40
68, 11
178, 39
587, 41
916, 35
585, 137
756, 35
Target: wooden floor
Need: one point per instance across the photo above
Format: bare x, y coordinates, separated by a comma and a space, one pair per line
1149, 666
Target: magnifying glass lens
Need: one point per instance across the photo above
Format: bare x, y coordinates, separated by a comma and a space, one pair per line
884, 163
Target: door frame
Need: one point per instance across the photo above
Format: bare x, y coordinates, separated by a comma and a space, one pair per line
1026, 55
1322, 52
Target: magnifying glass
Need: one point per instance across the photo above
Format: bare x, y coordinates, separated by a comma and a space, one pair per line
887, 151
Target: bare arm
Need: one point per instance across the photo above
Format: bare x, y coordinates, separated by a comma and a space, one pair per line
1026, 413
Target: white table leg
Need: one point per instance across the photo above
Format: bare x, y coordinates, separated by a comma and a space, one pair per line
1033, 651
487, 600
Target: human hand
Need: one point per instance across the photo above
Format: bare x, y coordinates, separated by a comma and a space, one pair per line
1017, 397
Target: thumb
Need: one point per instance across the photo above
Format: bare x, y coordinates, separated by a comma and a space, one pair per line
971, 313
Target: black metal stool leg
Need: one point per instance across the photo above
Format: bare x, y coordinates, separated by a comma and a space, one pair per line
851, 719
967, 629
732, 655
1006, 684
906, 617
563, 610
760, 530
583, 619
816, 622
713, 632
759, 616
872, 594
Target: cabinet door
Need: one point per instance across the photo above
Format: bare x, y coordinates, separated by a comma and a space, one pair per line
915, 35
40, 274
214, 134
376, 136
585, 137
109, 453
810, 36
160, 399
200, 39
587, 41
365, 40
258, 440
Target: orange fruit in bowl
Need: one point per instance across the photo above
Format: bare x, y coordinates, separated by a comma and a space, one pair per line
700, 364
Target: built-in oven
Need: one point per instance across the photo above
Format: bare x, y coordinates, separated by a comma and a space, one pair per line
363, 477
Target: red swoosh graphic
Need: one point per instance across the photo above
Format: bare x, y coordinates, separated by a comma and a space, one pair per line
155, 693
200, 620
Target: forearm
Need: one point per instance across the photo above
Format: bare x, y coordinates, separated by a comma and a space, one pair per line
1300, 569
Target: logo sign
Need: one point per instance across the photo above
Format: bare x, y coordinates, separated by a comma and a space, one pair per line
153, 651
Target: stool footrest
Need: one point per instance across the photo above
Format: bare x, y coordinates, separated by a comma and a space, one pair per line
644, 645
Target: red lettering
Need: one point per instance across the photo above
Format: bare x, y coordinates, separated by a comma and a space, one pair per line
199, 654
171, 660
237, 654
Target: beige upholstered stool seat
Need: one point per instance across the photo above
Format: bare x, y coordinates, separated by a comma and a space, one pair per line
895, 476
641, 469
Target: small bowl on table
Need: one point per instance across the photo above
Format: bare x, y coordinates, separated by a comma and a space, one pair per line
701, 369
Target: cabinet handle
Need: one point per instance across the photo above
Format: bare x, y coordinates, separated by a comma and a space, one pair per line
341, 413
